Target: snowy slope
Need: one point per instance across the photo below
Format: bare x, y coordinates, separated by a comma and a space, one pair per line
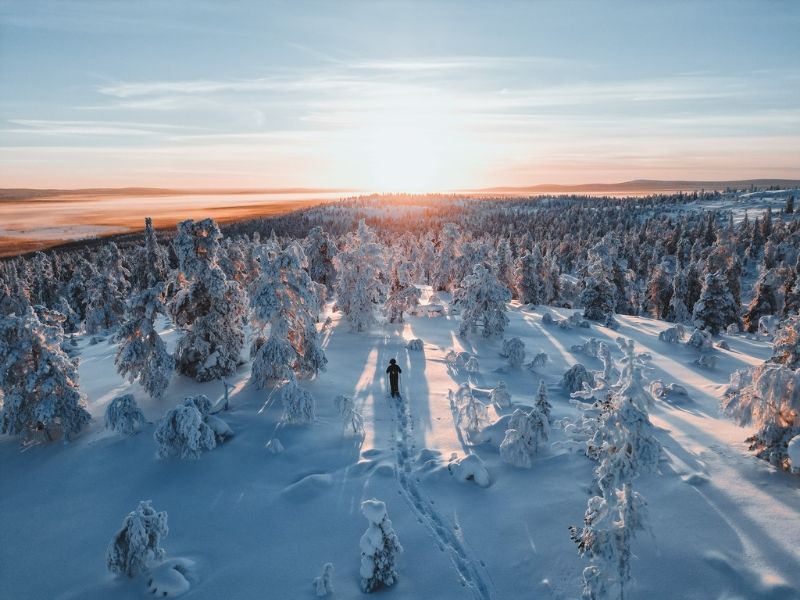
252, 524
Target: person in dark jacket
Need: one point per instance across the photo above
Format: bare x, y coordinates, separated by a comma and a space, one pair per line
394, 377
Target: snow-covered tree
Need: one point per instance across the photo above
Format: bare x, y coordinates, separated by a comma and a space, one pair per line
716, 308
298, 404
609, 527
285, 298
107, 289
471, 414
542, 404
482, 301
150, 262
529, 277
575, 377
323, 583
768, 397
598, 295
527, 430
359, 287
678, 312
208, 306
183, 431
379, 548
500, 396
39, 382
514, 351
138, 541
403, 294
142, 354
446, 257
768, 299
320, 250
350, 415
124, 416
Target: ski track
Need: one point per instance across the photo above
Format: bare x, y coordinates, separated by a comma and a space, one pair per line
468, 570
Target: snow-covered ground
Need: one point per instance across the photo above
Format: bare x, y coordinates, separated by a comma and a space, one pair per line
247, 523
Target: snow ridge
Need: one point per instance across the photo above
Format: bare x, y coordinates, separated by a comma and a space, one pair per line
470, 572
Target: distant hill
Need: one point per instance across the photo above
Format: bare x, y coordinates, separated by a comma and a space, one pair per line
643, 185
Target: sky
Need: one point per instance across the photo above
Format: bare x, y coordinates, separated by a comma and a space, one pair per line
395, 96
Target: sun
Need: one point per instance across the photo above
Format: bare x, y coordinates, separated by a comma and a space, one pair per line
403, 159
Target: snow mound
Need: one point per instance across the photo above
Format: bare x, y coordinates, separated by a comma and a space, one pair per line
470, 468
493, 434
308, 487
170, 579
274, 446
695, 479
745, 583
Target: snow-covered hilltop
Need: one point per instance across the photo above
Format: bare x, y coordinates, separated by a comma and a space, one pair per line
598, 398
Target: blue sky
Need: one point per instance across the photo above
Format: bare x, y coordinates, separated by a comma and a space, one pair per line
395, 95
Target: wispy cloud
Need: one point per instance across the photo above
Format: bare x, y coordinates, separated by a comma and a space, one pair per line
99, 128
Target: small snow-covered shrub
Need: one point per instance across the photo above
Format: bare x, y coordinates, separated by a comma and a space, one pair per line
456, 361
124, 416
527, 430
723, 345
415, 344
138, 541
539, 360
298, 404
514, 351
590, 347
672, 335
732, 329
707, 361
500, 395
542, 404
576, 320
669, 391
323, 584
379, 548
700, 340
471, 414
184, 432
350, 415
575, 377
547, 319
470, 468
472, 365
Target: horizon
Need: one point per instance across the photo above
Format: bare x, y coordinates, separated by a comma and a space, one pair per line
392, 97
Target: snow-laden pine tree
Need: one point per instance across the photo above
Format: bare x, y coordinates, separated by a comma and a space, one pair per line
677, 312
542, 404
359, 287
514, 352
323, 584
482, 299
598, 295
471, 414
284, 297
142, 355
527, 431
150, 261
208, 306
716, 308
39, 382
445, 258
298, 404
609, 527
768, 299
138, 541
107, 290
403, 294
183, 431
379, 548
768, 396
320, 249
124, 416
528, 277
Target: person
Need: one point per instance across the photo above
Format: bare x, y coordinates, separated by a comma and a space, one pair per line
394, 371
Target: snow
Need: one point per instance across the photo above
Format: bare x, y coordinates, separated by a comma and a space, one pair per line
249, 523
793, 450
